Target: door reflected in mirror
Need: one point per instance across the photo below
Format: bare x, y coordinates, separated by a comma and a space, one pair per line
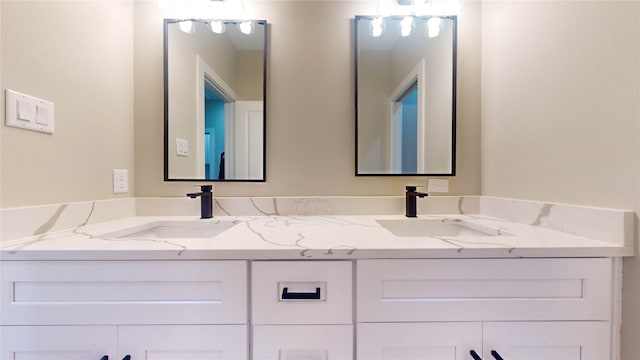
405, 95
214, 100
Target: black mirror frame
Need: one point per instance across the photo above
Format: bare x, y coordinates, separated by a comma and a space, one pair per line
166, 107
453, 109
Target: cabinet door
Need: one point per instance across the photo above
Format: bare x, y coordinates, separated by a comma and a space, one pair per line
183, 342
303, 342
588, 340
419, 341
57, 342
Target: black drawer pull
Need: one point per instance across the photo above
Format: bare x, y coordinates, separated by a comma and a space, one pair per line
106, 357
127, 357
286, 295
496, 355
475, 355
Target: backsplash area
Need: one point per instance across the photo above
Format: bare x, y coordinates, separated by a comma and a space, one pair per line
610, 225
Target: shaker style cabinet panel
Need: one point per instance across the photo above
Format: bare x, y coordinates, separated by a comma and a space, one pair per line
301, 292
566, 340
530, 340
147, 342
419, 341
484, 289
183, 342
123, 292
303, 342
57, 342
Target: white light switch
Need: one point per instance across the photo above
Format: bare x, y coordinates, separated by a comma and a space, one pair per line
28, 112
42, 115
25, 110
182, 147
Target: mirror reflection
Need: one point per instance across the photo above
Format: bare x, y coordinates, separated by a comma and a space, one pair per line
214, 100
405, 95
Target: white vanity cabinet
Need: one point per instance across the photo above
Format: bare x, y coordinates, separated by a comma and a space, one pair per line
302, 310
146, 309
515, 309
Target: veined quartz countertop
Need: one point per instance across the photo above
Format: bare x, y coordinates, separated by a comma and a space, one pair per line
306, 237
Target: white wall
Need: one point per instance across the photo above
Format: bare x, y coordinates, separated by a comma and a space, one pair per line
80, 56
561, 111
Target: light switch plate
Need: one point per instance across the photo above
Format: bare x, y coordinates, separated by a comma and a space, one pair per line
182, 147
438, 185
28, 112
120, 181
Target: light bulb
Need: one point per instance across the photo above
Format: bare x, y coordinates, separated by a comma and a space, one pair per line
246, 27
217, 26
406, 26
433, 26
186, 26
376, 31
376, 26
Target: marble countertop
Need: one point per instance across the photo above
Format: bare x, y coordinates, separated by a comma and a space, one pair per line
304, 237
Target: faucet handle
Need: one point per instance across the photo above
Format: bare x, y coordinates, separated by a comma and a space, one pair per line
205, 188
412, 187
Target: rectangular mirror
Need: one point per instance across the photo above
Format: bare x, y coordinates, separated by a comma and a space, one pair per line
405, 95
215, 85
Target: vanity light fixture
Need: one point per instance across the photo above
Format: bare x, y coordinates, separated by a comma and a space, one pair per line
418, 8
203, 9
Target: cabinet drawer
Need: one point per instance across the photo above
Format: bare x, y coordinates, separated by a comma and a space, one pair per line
123, 292
484, 289
301, 292
308, 342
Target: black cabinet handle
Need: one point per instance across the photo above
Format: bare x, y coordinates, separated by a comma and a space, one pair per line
127, 357
286, 295
106, 357
496, 355
475, 355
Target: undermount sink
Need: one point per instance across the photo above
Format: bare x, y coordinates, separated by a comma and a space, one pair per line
173, 230
436, 228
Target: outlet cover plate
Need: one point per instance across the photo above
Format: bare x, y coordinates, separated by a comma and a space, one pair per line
120, 181
438, 186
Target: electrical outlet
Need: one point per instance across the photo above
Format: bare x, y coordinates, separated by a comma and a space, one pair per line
438, 186
120, 181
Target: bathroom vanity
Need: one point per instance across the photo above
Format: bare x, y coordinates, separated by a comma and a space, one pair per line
334, 287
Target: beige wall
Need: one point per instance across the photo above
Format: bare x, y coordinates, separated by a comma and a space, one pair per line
80, 56
310, 104
561, 111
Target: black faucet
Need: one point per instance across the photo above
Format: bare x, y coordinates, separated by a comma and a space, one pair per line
410, 199
206, 201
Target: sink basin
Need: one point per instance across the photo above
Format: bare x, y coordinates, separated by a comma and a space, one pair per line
173, 230
436, 228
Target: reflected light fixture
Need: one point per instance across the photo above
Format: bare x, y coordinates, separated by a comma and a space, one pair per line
376, 26
406, 26
433, 27
246, 27
435, 9
217, 26
186, 26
